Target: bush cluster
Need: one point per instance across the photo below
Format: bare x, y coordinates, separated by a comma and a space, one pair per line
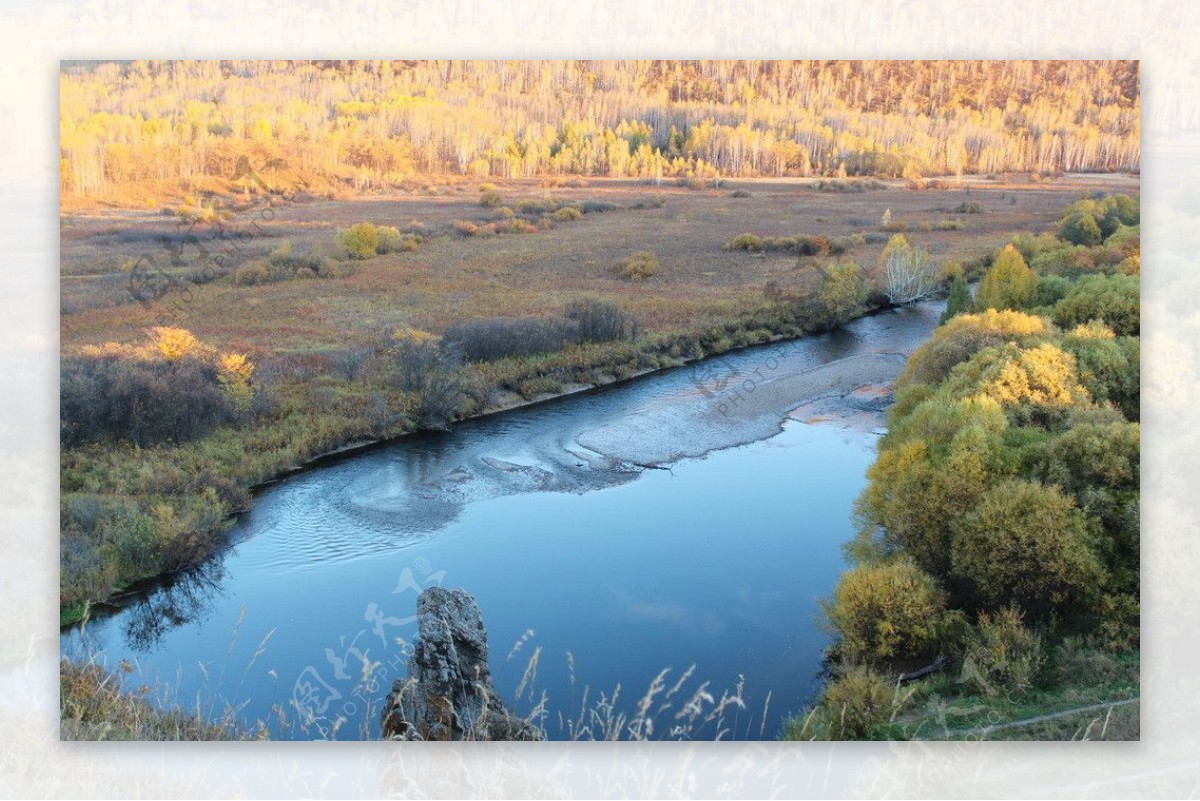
800, 244
366, 240
601, 321
142, 401
639, 266
495, 338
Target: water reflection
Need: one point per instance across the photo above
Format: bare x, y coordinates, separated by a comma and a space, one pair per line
187, 598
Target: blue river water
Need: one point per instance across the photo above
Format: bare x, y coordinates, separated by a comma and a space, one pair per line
589, 575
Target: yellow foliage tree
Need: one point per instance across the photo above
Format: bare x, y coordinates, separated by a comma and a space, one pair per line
964, 336
172, 343
1008, 284
234, 377
1012, 376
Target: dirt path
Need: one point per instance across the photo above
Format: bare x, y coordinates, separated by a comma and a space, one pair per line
982, 731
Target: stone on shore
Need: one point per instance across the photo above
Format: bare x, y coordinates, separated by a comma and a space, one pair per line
449, 694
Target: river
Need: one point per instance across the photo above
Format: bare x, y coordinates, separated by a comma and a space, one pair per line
592, 568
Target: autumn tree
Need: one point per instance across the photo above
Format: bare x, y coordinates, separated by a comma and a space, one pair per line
842, 294
1109, 367
234, 378
1039, 376
172, 343
907, 274
964, 336
1008, 283
933, 464
1080, 228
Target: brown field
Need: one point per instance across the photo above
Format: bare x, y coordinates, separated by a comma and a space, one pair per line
452, 277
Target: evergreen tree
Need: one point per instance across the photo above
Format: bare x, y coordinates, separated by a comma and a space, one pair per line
959, 300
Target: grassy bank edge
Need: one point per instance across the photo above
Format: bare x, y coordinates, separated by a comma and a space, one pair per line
71, 614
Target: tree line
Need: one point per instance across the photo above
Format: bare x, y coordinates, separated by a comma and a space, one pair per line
374, 123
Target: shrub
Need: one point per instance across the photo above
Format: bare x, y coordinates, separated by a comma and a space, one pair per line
950, 225
959, 300
934, 463
359, 241
491, 199
1114, 299
885, 611
852, 707
286, 265
468, 228
1108, 367
1077, 663
391, 240
815, 245
598, 206
543, 205
173, 344
656, 202
747, 242
907, 274
968, 207
842, 295
254, 273
539, 385
1050, 290
964, 336
1127, 239
1120, 627
568, 214
140, 401
1002, 654
431, 372
1080, 228
639, 266
600, 321
1026, 545
515, 226
740, 193
502, 337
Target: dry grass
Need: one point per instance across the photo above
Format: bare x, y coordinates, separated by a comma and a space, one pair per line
454, 278
94, 704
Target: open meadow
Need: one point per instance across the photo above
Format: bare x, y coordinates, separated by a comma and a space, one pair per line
463, 270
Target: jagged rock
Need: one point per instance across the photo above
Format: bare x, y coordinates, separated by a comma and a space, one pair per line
449, 694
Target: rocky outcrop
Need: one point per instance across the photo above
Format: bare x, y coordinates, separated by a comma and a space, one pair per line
449, 694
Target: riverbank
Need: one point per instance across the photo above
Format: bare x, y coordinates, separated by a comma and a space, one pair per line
240, 458
326, 368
